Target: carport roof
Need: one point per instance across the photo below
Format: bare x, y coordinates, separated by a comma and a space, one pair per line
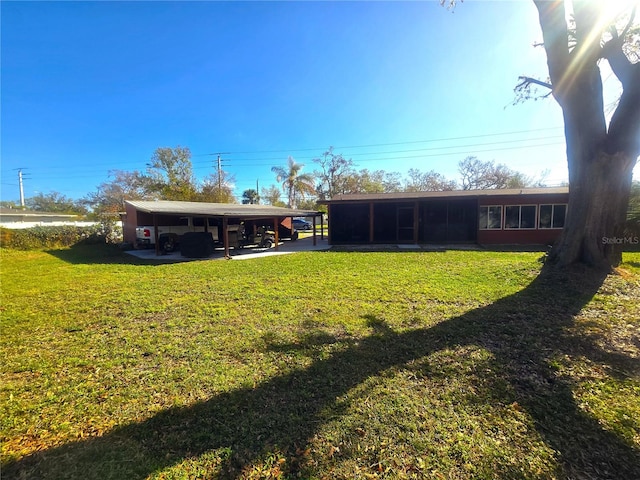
166, 207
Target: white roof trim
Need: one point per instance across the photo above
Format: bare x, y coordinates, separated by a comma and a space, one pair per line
449, 194
167, 207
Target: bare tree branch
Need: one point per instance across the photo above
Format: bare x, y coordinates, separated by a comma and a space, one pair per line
632, 17
451, 4
528, 80
556, 40
613, 52
527, 90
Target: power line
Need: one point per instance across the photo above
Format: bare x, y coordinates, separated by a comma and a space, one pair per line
268, 159
393, 143
431, 155
389, 155
60, 167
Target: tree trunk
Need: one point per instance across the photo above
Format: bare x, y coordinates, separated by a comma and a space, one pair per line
600, 159
598, 199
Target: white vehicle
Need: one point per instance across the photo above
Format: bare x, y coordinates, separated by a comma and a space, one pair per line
169, 235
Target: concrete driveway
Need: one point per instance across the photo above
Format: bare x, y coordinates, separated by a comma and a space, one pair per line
285, 247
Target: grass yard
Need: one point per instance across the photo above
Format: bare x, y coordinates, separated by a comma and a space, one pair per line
319, 365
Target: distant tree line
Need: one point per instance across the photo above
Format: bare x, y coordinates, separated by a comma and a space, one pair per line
169, 176
336, 175
52, 202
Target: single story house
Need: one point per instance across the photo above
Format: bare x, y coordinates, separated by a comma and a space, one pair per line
222, 216
528, 216
17, 218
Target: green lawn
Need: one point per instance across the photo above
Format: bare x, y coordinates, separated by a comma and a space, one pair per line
317, 365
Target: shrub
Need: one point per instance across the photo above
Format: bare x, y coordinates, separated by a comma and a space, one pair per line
111, 231
64, 236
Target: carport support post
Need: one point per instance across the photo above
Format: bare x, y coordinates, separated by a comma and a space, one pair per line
276, 227
314, 231
328, 226
225, 236
155, 233
416, 222
371, 226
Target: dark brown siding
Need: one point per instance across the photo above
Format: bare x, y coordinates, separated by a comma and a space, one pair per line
129, 224
437, 219
518, 237
526, 236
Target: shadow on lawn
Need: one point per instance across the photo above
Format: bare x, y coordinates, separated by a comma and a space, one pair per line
283, 414
99, 254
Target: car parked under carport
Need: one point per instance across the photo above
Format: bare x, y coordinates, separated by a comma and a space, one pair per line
301, 224
216, 217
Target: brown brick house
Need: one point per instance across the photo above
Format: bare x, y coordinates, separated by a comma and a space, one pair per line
530, 216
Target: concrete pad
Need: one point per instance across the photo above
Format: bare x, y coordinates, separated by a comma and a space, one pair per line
284, 248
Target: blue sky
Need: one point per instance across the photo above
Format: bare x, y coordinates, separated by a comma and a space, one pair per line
89, 87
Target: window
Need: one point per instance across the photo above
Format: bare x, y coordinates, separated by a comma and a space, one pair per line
519, 216
552, 216
490, 217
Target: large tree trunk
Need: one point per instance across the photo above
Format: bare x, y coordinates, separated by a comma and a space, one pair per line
600, 159
598, 199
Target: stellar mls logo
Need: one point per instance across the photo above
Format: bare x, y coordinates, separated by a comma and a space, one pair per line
621, 240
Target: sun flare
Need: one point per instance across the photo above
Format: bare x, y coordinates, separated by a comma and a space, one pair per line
610, 9
613, 8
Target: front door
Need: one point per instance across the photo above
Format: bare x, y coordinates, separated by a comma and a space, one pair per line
405, 224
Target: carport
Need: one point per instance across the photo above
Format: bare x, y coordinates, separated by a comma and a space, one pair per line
140, 213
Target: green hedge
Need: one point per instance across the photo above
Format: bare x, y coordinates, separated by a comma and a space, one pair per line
65, 236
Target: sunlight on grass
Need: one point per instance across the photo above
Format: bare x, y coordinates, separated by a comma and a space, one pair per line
402, 365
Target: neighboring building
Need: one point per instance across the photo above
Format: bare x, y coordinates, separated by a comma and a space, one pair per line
528, 216
15, 218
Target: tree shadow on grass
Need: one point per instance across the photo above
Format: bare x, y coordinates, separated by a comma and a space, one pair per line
284, 413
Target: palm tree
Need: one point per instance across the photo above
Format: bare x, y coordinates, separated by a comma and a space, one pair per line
294, 182
251, 197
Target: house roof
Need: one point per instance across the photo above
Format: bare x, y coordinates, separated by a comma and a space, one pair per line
447, 194
16, 212
167, 207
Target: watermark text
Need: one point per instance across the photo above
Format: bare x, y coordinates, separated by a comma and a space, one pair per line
621, 240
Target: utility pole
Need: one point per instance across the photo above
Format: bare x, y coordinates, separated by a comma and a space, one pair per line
219, 169
21, 188
21, 185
